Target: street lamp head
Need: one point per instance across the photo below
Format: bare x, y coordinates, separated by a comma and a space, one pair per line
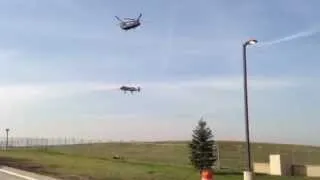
251, 42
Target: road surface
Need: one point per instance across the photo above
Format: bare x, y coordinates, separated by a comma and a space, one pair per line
5, 176
7, 173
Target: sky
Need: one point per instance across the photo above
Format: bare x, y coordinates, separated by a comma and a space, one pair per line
63, 61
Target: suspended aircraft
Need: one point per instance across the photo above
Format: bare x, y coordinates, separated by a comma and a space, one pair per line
130, 88
129, 23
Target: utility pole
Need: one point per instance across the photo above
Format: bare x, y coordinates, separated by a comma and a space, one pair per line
248, 174
7, 138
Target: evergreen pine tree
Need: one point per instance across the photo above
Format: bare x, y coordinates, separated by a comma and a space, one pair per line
202, 147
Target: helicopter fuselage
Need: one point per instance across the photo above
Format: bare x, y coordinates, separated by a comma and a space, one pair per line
129, 25
131, 89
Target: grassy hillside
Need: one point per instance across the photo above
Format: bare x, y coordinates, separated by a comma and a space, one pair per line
159, 161
232, 154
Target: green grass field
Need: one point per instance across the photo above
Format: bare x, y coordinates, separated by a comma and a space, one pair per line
144, 161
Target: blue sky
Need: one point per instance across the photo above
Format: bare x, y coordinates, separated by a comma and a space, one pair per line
62, 62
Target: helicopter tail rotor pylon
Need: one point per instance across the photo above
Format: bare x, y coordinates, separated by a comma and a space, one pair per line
140, 15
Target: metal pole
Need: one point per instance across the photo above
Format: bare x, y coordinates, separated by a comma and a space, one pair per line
245, 88
7, 138
218, 164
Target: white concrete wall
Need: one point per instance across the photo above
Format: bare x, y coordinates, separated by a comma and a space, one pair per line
313, 171
263, 168
281, 166
275, 164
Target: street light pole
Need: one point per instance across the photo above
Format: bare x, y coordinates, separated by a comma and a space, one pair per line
7, 138
248, 175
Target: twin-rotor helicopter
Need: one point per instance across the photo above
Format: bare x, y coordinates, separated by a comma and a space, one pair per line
127, 24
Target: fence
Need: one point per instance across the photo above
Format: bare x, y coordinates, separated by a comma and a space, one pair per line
44, 142
231, 155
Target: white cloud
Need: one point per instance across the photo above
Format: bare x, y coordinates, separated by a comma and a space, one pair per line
302, 34
163, 107
18, 96
52, 90
227, 83
8, 54
118, 127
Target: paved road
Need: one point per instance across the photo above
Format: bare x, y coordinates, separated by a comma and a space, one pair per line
5, 176
7, 173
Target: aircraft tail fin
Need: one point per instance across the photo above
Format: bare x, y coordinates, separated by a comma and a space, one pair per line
139, 16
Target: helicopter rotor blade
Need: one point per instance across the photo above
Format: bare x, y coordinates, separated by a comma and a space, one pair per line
118, 19
129, 19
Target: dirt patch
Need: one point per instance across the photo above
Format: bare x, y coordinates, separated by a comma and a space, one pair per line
76, 177
27, 165
23, 164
